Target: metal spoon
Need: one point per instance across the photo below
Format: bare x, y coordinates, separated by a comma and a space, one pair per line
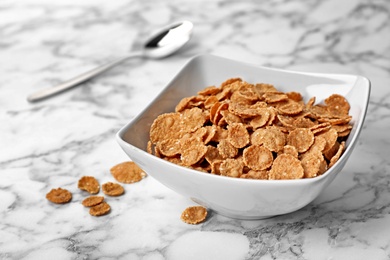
162, 44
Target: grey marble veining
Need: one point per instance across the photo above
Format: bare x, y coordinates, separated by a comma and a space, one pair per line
55, 142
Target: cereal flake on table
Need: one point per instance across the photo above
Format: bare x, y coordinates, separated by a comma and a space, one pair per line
253, 131
89, 184
92, 201
127, 172
112, 189
194, 215
59, 196
100, 209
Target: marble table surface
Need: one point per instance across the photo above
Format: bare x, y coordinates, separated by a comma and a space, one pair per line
53, 143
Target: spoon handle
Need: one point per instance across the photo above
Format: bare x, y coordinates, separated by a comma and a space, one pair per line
47, 92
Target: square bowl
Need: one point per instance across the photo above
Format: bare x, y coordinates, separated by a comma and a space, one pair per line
235, 197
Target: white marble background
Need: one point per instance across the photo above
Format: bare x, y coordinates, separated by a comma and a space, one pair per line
55, 142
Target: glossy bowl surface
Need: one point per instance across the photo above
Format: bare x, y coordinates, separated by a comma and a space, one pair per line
234, 197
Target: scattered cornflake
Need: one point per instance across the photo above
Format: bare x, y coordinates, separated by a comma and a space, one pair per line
127, 172
194, 215
100, 209
59, 196
112, 189
89, 184
92, 201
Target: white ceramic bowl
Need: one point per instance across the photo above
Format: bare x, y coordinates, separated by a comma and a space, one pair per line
234, 197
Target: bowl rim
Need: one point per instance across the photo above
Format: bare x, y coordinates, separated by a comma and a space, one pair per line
342, 159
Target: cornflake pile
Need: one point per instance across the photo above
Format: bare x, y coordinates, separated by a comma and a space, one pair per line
253, 131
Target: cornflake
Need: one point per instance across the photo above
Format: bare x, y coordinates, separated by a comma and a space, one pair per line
92, 201
336, 157
253, 131
270, 137
257, 157
289, 149
212, 154
59, 196
212, 90
290, 107
259, 175
127, 172
301, 138
226, 149
337, 105
192, 150
238, 136
262, 119
330, 136
166, 126
89, 184
311, 164
194, 215
100, 209
286, 167
231, 168
112, 189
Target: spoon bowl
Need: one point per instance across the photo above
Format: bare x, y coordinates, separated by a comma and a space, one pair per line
161, 44
168, 40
